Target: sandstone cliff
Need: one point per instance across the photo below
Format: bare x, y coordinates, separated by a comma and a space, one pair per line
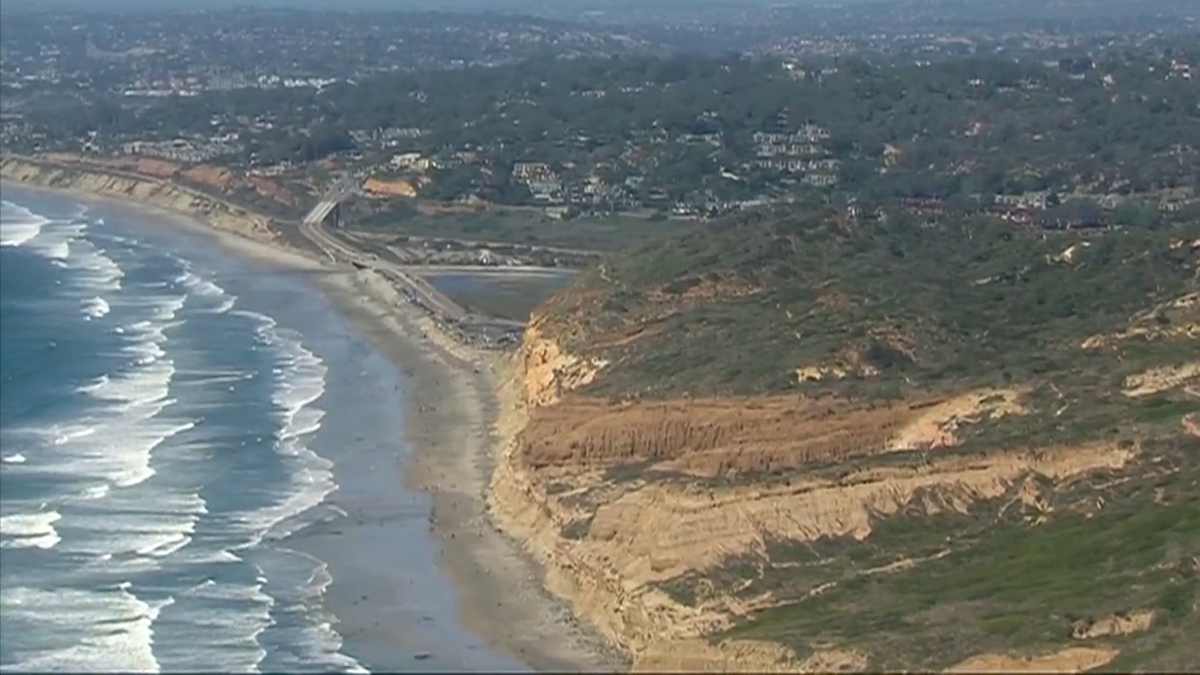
694, 531
159, 192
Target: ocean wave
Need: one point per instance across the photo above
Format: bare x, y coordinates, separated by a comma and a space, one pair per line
319, 642
300, 381
30, 530
53, 238
148, 383
15, 458
217, 376
197, 284
226, 304
96, 307
94, 270
67, 433
127, 526
322, 644
204, 289
93, 385
116, 442
231, 616
63, 242
95, 491
18, 224
108, 630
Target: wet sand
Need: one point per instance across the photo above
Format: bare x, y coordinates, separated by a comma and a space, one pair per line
390, 616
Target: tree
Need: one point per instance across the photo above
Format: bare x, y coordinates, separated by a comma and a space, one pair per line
1138, 213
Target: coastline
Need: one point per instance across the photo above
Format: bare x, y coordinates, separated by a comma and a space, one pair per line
452, 424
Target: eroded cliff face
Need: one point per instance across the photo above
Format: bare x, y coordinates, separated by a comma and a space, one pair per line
617, 500
156, 192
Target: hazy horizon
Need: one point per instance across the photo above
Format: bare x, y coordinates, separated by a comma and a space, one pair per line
401, 5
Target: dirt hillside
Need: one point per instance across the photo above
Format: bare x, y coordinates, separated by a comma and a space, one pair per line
888, 517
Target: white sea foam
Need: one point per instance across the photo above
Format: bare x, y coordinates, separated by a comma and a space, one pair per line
139, 387
93, 385
64, 244
226, 304
69, 432
217, 376
300, 379
107, 630
93, 268
115, 443
18, 224
95, 491
127, 525
197, 284
15, 458
205, 290
54, 239
128, 530
29, 530
322, 644
231, 616
96, 307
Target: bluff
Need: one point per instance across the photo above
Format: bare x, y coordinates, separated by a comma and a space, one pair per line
798, 442
150, 184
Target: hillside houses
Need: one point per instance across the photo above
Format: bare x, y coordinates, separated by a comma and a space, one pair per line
798, 152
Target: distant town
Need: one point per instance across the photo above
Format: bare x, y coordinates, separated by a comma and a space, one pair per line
636, 114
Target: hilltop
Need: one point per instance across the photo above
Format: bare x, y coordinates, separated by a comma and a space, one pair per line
800, 441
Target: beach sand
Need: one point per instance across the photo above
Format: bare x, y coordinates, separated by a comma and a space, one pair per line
450, 423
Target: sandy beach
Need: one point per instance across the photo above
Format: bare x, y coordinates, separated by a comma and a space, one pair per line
451, 424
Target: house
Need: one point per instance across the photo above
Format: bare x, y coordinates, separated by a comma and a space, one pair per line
531, 171
409, 160
1028, 200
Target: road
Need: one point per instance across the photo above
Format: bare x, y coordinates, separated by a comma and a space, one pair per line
419, 290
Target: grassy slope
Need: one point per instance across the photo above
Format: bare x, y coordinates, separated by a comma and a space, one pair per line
905, 300
823, 290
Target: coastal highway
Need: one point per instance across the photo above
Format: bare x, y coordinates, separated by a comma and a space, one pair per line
417, 288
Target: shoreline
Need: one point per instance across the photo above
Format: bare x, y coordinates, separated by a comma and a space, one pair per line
452, 424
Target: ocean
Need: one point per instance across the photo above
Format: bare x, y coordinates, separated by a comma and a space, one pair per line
157, 449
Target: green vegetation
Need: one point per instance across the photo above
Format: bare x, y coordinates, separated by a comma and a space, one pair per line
529, 227
905, 308
966, 304
682, 134
1003, 584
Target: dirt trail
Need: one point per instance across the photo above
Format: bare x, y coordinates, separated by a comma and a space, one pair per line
936, 427
698, 656
1071, 660
1161, 379
1115, 624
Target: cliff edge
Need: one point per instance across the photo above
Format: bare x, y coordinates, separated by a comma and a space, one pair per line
68, 173
795, 443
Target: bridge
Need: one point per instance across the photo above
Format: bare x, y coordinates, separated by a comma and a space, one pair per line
413, 286
322, 210
328, 206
